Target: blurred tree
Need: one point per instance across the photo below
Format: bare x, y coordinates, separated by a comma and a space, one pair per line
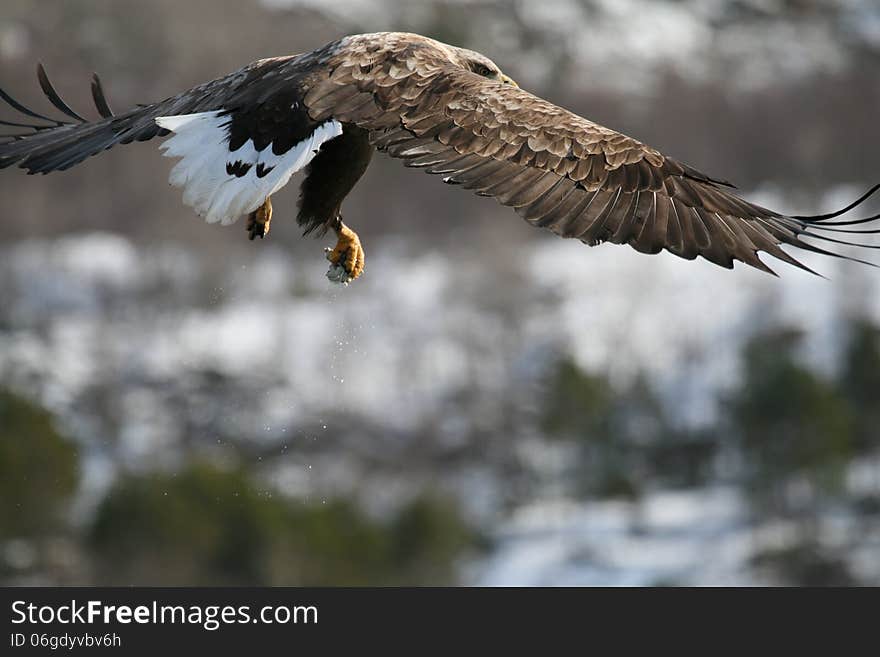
331, 544
791, 424
804, 563
209, 526
428, 535
860, 382
582, 406
334, 543
39, 470
576, 402
203, 526
627, 439
685, 458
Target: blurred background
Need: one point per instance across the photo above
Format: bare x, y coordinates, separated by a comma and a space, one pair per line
488, 405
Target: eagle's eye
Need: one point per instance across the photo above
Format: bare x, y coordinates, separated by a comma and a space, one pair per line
482, 69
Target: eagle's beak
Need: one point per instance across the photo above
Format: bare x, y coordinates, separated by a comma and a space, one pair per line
508, 80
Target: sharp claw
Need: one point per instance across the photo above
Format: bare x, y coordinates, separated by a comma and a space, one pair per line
346, 258
259, 220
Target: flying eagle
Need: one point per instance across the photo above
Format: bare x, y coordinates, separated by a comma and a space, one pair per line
447, 110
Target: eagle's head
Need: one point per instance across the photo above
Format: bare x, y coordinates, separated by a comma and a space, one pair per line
467, 59
479, 64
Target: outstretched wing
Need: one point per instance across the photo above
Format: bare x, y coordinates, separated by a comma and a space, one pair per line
239, 138
558, 170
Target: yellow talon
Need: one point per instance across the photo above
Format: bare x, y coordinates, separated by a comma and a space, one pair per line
259, 220
347, 256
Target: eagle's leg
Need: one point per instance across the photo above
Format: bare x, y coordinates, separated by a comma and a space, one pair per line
259, 220
347, 257
331, 175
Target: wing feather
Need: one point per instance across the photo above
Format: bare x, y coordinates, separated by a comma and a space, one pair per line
548, 201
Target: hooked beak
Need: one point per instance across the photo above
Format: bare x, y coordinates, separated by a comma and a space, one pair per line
507, 80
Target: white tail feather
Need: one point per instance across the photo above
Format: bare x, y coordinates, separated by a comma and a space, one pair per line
201, 141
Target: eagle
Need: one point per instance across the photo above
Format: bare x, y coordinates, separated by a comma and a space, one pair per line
448, 110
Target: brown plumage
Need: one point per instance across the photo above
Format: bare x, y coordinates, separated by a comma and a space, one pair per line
451, 112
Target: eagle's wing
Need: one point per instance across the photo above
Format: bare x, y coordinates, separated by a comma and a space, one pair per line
239, 138
558, 170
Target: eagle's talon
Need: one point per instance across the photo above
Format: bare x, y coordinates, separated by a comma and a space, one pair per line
259, 221
346, 258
